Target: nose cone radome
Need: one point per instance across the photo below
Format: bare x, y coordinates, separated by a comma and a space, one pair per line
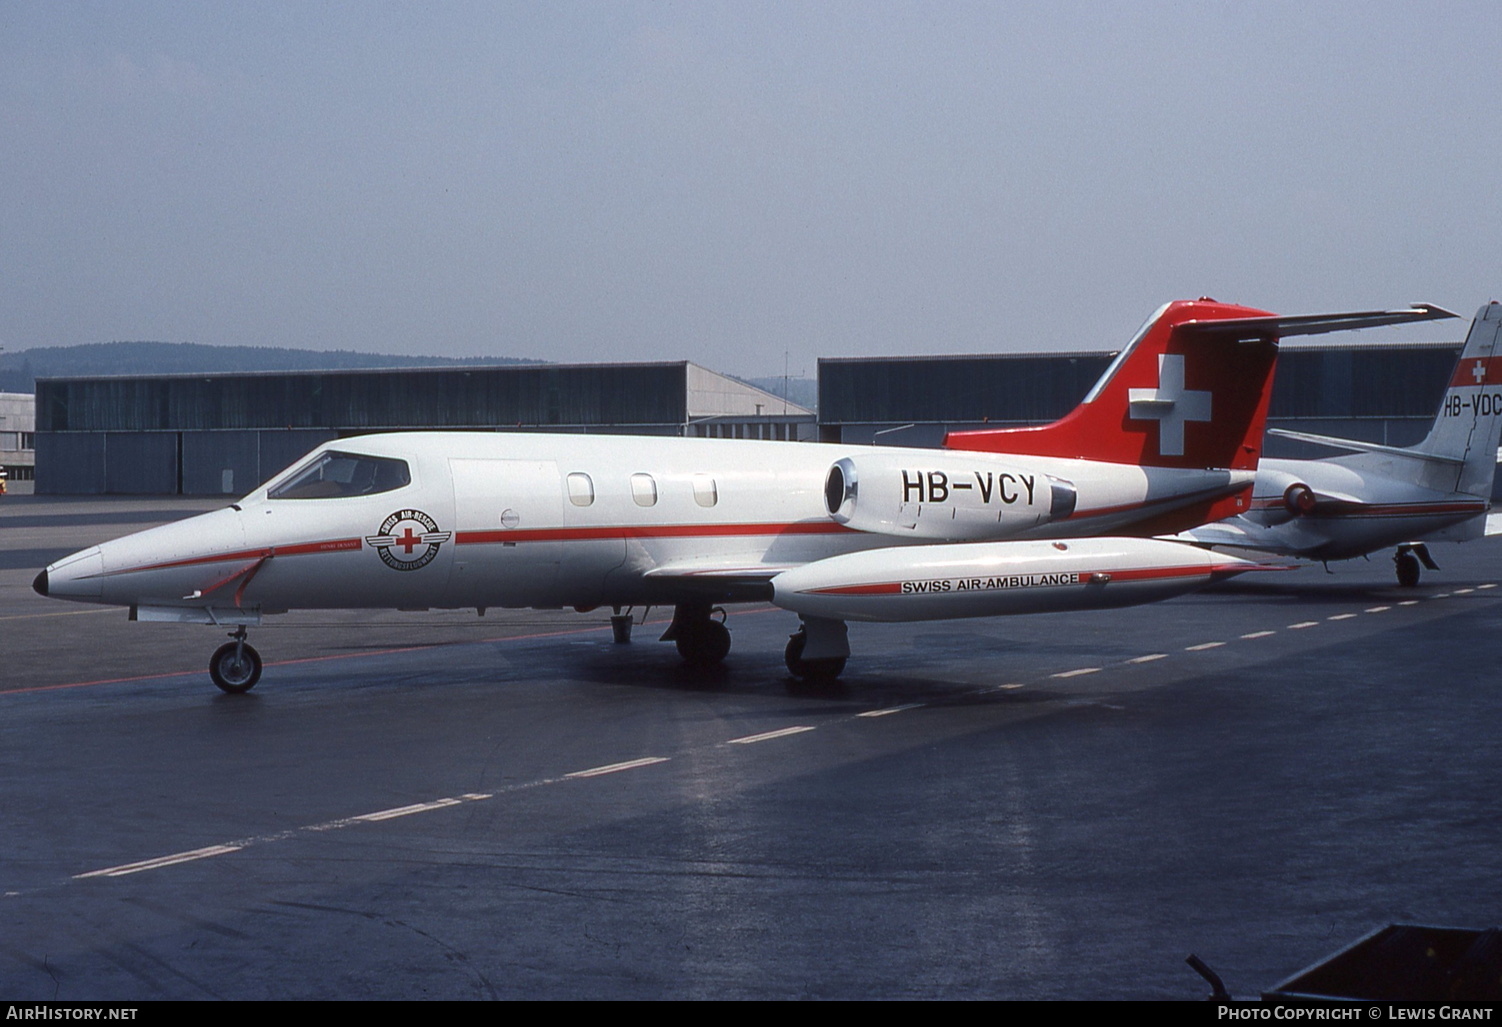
73, 577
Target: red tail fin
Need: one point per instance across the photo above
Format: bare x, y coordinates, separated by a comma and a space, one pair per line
1186, 392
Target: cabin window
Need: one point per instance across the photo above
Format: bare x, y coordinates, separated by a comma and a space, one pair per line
705, 491
581, 490
644, 489
335, 475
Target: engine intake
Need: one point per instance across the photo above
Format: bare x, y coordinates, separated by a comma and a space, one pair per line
943, 496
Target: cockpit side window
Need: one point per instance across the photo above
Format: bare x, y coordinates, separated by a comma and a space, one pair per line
335, 475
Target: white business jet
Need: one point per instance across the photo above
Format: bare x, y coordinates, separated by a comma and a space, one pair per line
1380, 496
1000, 522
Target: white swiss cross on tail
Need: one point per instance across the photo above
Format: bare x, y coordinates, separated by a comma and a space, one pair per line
1170, 404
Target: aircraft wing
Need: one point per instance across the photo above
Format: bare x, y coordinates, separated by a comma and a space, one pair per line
1231, 533
724, 582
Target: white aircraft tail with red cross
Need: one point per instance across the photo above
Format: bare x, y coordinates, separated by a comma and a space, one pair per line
1459, 455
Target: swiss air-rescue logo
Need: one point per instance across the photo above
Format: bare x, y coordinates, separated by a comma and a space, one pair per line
408, 540
1170, 404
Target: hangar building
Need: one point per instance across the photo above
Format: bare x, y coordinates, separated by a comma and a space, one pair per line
198, 434
226, 433
17, 438
1377, 393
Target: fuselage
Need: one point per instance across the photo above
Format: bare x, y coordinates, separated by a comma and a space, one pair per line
1367, 503
417, 520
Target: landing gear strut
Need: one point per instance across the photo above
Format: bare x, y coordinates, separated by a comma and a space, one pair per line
702, 641
812, 671
827, 639
235, 666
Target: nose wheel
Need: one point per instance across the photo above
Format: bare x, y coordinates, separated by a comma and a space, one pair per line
235, 666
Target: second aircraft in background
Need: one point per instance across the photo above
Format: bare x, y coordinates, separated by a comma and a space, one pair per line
1381, 496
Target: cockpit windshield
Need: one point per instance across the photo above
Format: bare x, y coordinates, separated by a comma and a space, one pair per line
335, 475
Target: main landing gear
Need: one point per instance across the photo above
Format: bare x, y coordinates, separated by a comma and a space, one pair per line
235, 666
1407, 560
702, 641
817, 651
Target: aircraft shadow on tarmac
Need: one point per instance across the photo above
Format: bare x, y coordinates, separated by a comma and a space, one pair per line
1315, 590
871, 679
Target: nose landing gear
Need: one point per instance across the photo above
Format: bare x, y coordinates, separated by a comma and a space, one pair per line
235, 666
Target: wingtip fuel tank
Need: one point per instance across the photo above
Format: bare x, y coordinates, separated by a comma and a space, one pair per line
988, 579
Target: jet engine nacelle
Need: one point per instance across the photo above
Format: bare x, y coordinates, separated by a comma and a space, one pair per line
987, 579
943, 496
1297, 499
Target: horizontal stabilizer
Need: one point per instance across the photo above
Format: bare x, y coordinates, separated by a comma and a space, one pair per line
1363, 447
1316, 324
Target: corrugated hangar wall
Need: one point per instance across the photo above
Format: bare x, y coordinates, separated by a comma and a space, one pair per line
224, 435
1385, 394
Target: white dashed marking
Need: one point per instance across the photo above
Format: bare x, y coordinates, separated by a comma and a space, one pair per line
1379, 609
1076, 673
1303, 624
1149, 658
1202, 647
403, 811
1343, 616
615, 768
768, 735
894, 709
1258, 634
161, 861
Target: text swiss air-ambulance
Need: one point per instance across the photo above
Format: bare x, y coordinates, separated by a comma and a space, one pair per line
1380, 496
998, 522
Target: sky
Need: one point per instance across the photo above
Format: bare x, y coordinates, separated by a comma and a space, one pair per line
748, 185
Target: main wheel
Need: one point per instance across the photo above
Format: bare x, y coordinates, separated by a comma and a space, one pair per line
703, 643
235, 667
1408, 569
816, 671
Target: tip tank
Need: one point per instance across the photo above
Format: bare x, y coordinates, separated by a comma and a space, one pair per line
989, 579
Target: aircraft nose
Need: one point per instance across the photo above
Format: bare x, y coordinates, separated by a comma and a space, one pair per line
73, 577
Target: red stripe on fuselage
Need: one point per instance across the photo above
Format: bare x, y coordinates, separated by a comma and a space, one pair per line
533, 535
491, 536
296, 549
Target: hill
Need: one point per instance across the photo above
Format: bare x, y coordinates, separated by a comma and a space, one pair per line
19, 370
